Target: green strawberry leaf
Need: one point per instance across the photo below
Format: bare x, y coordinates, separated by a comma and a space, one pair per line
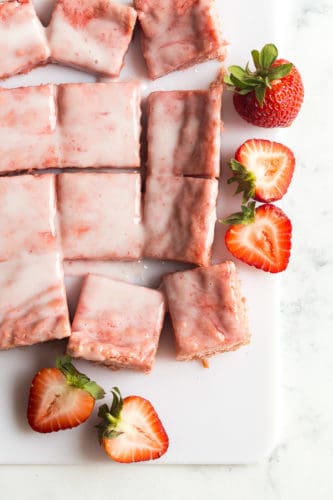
227, 80
246, 216
246, 180
256, 58
77, 379
280, 71
253, 81
260, 94
237, 71
239, 84
268, 55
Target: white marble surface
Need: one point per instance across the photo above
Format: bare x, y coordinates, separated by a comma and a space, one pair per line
301, 466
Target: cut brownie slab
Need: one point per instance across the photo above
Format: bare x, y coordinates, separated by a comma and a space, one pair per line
28, 128
100, 215
33, 305
91, 34
27, 215
179, 218
184, 131
100, 124
23, 42
207, 310
117, 324
178, 33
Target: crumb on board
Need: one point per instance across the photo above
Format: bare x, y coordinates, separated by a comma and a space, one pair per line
205, 363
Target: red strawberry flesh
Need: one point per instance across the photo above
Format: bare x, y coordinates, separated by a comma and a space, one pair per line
264, 243
133, 431
61, 398
54, 405
271, 163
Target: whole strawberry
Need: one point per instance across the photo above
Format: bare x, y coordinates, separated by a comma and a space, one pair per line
270, 96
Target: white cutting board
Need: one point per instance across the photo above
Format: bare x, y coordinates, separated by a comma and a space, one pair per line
223, 415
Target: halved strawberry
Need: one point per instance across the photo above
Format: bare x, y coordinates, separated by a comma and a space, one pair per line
260, 237
61, 398
130, 430
263, 170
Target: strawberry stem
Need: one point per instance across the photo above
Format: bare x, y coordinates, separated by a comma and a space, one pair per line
110, 417
77, 379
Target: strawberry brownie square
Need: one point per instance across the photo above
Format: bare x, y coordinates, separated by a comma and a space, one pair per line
184, 132
178, 33
27, 215
23, 43
99, 124
100, 215
28, 128
33, 306
179, 218
207, 310
117, 324
91, 34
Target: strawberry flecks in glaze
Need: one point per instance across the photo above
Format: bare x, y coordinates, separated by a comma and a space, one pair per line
184, 129
179, 218
99, 124
207, 310
178, 34
100, 215
80, 12
91, 34
28, 136
23, 43
117, 324
27, 215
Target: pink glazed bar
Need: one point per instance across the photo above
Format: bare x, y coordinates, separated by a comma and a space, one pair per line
100, 215
179, 218
33, 305
99, 124
207, 310
117, 324
184, 132
23, 44
28, 118
178, 33
91, 34
27, 215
